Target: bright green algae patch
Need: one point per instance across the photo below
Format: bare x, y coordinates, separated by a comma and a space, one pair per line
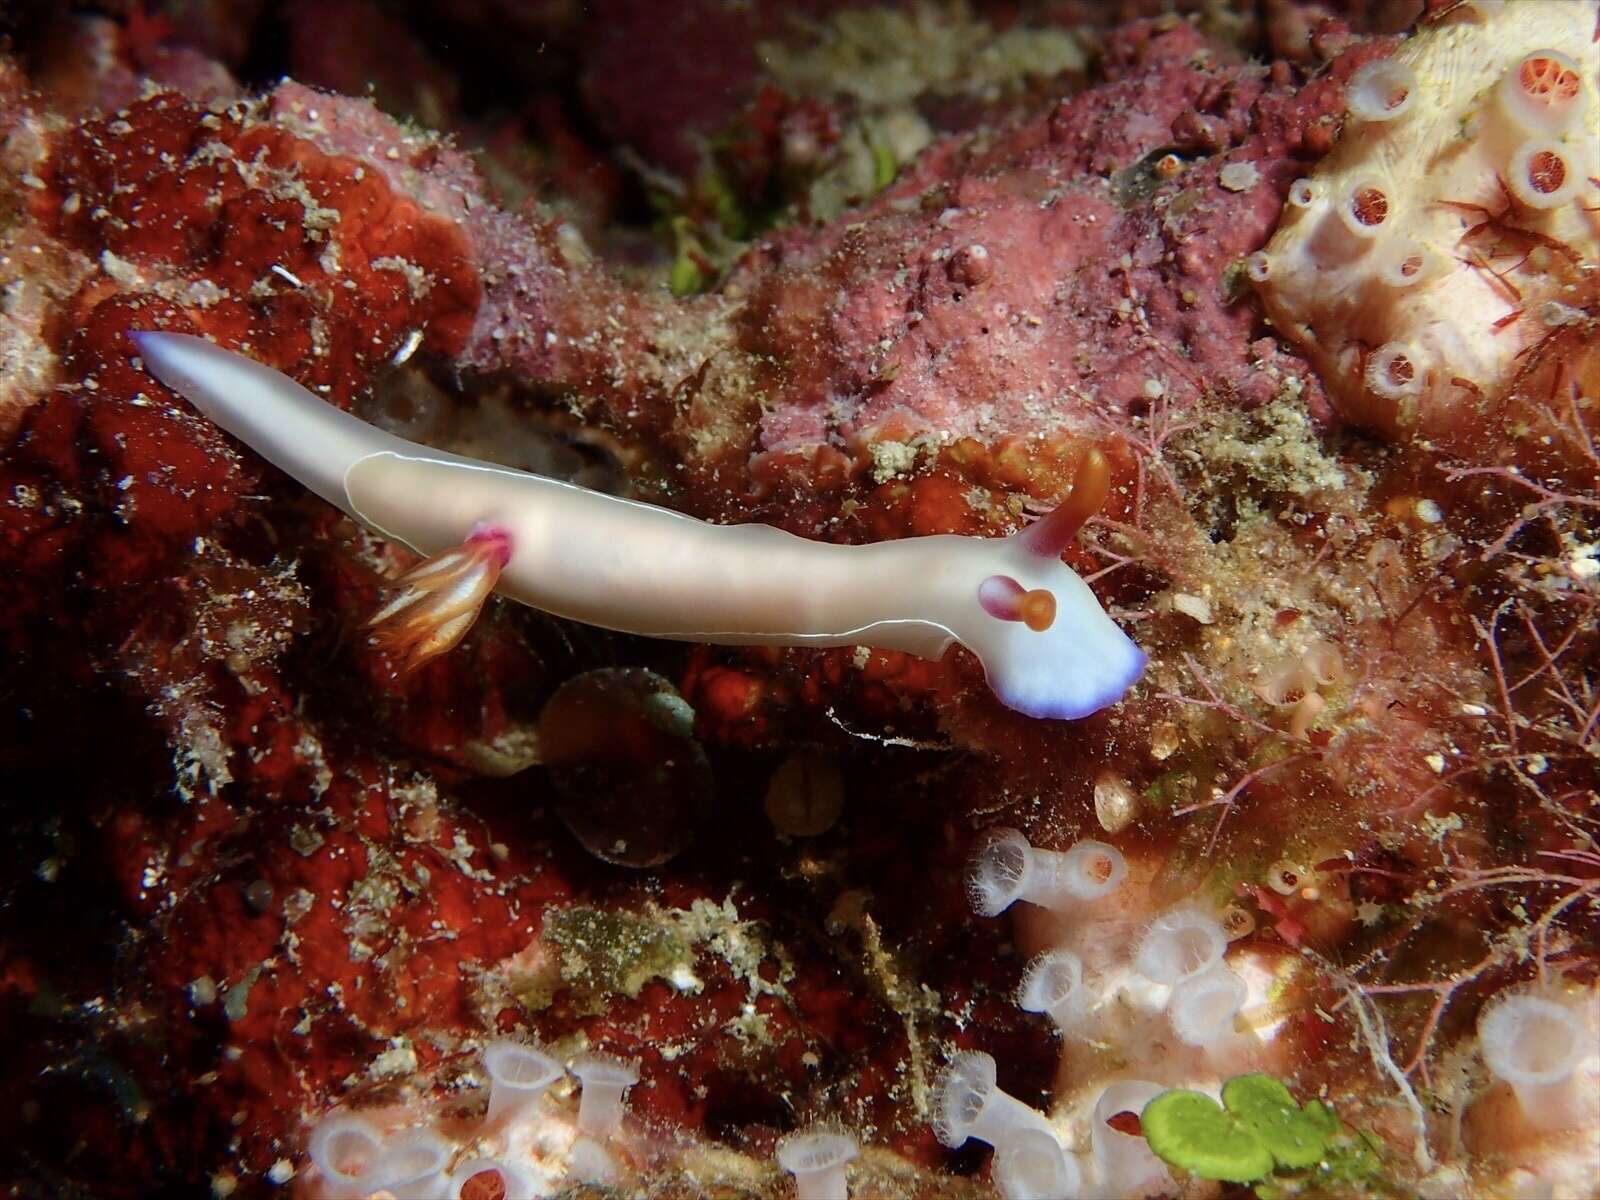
1296, 1136
1257, 1127
1192, 1131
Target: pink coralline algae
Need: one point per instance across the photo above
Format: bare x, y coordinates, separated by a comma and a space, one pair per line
279, 912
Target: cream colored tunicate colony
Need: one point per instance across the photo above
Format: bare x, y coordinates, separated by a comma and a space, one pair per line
1458, 209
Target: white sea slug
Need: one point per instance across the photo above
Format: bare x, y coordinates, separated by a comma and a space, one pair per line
1048, 649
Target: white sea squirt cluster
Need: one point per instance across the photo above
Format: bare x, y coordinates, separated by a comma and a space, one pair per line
1160, 993
1048, 648
525, 1143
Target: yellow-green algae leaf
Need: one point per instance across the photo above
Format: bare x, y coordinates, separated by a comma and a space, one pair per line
1192, 1131
1296, 1137
1257, 1127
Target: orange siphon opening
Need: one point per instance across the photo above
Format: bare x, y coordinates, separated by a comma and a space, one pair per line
1126, 1122
1370, 206
1546, 80
485, 1185
1546, 172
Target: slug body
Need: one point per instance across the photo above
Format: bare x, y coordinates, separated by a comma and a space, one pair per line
1048, 649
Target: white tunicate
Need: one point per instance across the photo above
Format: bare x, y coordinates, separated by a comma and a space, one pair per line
1091, 870
1360, 212
412, 1162
968, 1103
1395, 370
1543, 175
1381, 90
1202, 1007
1303, 193
817, 1159
518, 1076
1541, 93
1535, 1044
1005, 868
604, 1080
1404, 263
344, 1147
1364, 208
1128, 1167
1323, 659
514, 1185
1053, 983
1035, 1166
999, 872
1180, 944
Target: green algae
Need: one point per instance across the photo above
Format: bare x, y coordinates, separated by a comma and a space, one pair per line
1257, 1127
1262, 1136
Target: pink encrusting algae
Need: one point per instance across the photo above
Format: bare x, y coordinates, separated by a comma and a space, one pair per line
296, 910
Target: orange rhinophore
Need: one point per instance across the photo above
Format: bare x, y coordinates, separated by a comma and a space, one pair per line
1052, 534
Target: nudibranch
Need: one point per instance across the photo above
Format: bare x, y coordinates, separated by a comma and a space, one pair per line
1047, 647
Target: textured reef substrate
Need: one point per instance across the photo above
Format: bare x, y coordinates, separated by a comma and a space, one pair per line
862, 273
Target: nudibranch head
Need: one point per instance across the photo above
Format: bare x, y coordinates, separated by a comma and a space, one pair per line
1048, 649
1076, 663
